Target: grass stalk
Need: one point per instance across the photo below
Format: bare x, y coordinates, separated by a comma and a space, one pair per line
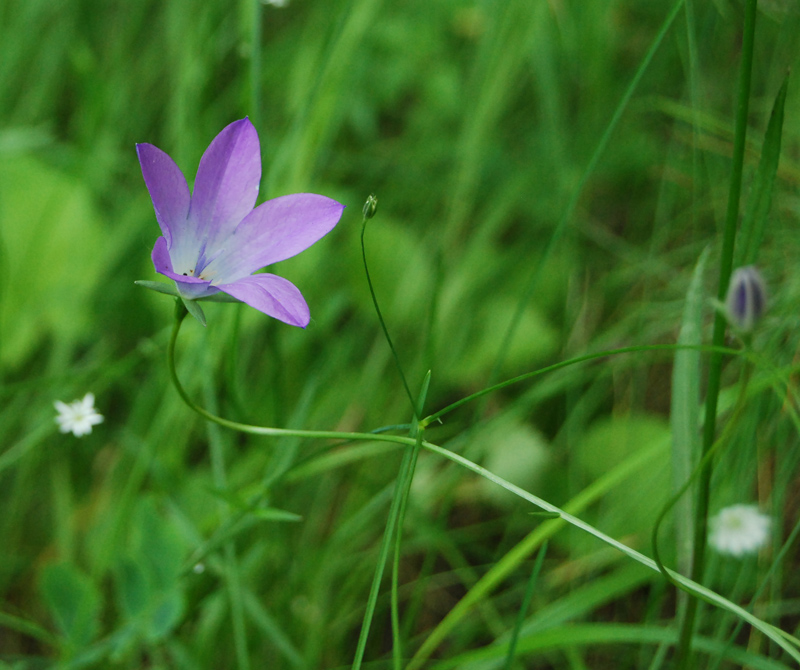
684, 654
569, 210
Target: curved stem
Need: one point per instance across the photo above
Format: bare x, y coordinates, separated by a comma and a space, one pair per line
180, 313
383, 323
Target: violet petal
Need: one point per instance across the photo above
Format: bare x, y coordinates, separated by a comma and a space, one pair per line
160, 257
168, 190
226, 186
275, 296
189, 287
274, 231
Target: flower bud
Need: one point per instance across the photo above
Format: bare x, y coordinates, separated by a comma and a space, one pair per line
746, 299
370, 206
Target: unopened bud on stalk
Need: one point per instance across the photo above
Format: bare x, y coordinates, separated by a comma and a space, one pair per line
747, 298
370, 206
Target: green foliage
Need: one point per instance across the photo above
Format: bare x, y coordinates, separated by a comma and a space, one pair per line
162, 541
50, 235
74, 602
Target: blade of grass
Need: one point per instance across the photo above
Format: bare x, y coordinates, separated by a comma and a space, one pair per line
593, 635
684, 660
526, 603
786, 641
397, 641
508, 563
532, 283
758, 205
232, 573
685, 411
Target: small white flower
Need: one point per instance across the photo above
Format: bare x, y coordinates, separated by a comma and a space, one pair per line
79, 416
739, 530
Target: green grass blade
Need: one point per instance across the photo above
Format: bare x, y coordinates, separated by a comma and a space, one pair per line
758, 206
526, 602
685, 410
784, 640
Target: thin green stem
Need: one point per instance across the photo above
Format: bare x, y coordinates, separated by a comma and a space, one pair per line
378, 436
397, 640
684, 657
572, 361
180, 314
786, 641
386, 543
382, 322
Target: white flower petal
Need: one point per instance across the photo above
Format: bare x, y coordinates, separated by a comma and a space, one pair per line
739, 529
78, 417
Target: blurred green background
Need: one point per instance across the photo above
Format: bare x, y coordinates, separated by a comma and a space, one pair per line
159, 541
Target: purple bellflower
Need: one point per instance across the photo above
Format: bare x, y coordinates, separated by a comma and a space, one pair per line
213, 240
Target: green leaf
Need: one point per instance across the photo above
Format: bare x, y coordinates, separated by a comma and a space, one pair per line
164, 615
133, 588
274, 514
152, 610
149, 589
74, 602
157, 546
755, 219
685, 409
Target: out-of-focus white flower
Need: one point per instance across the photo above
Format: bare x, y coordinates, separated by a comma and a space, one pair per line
739, 529
275, 3
78, 417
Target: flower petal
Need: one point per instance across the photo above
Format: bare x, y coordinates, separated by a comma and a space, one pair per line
189, 287
226, 186
168, 190
160, 257
274, 231
275, 296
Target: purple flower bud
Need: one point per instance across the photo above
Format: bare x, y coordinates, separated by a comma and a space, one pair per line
746, 299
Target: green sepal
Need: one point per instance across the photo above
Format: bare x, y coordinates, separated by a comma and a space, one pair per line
158, 287
194, 309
